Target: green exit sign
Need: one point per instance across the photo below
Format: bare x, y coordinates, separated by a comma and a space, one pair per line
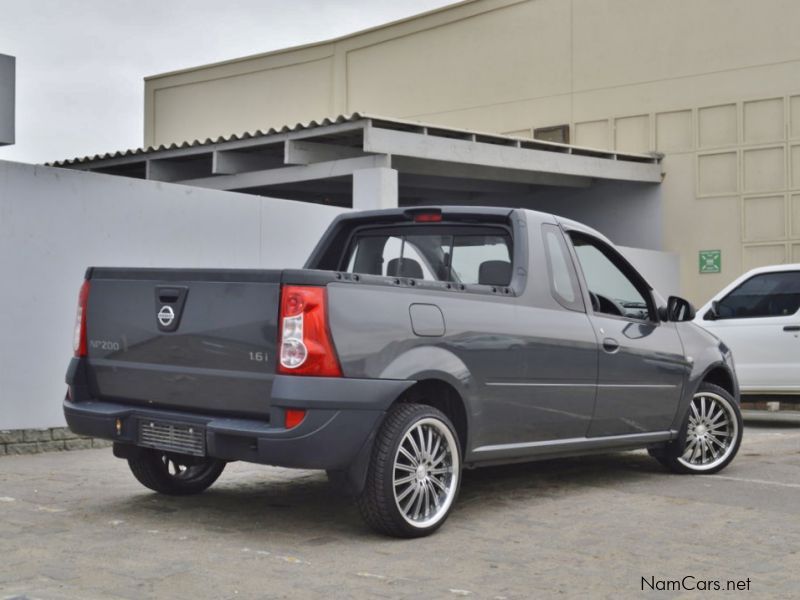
710, 261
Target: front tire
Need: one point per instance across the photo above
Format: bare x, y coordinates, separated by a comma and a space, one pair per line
414, 473
175, 474
711, 434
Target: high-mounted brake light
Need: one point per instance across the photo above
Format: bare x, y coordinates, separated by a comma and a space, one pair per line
79, 334
427, 217
305, 343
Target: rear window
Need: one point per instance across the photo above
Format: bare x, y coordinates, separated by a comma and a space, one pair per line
463, 255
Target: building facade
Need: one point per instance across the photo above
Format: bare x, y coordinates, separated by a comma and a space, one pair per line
712, 84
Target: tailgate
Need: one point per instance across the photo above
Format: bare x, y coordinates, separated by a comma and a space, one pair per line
200, 340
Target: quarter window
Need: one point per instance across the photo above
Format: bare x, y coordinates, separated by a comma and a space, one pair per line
764, 295
563, 281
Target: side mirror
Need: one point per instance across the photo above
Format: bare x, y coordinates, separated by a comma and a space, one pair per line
679, 309
712, 314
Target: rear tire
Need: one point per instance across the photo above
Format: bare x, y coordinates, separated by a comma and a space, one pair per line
175, 474
414, 473
710, 437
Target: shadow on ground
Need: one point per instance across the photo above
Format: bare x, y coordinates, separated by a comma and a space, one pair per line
306, 501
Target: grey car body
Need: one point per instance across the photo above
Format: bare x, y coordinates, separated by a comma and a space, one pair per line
520, 375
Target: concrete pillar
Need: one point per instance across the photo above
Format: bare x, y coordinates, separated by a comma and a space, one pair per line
375, 188
7, 75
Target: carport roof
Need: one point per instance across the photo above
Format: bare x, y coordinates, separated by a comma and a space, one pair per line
293, 161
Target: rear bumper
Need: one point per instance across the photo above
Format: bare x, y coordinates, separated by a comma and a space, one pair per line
326, 439
342, 416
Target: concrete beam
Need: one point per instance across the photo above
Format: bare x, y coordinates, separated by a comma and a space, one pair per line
302, 152
374, 189
438, 168
467, 152
171, 170
268, 177
230, 162
460, 184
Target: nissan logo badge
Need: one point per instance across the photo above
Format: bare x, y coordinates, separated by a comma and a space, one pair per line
166, 316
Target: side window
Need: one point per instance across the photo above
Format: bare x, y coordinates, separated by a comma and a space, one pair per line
613, 292
563, 280
764, 295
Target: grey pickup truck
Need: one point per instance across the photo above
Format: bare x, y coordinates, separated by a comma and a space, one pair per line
414, 343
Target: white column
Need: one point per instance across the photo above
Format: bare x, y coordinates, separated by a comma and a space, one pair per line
375, 188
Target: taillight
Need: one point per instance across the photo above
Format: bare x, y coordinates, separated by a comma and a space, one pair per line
79, 335
305, 345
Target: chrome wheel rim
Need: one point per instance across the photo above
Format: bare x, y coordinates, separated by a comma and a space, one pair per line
425, 473
711, 434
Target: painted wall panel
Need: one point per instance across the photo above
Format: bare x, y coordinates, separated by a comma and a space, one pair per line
645, 41
763, 121
632, 134
762, 256
592, 134
257, 100
794, 211
508, 54
717, 173
764, 218
794, 117
674, 131
794, 166
763, 169
717, 126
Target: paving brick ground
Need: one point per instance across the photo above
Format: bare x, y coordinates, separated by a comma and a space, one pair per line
77, 525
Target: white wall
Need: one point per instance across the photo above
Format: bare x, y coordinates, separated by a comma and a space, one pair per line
662, 270
55, 222
628, 213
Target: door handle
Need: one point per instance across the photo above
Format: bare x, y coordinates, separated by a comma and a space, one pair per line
792, 328
610, 345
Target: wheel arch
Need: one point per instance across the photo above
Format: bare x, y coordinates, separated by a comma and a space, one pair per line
436, 373
443, 396
720, 376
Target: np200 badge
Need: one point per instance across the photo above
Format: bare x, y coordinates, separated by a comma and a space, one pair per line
166, 316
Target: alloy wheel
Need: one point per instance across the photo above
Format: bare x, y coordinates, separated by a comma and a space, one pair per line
180, 470
711, 434
426, 471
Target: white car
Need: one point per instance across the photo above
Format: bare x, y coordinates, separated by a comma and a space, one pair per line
757, 316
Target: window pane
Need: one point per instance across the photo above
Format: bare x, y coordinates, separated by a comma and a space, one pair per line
613, 292
420, 254
475, 253
765, 295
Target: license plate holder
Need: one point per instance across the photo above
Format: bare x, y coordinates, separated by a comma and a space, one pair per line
180, 438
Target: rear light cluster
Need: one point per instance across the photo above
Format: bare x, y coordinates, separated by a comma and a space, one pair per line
305, 345
79, 335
